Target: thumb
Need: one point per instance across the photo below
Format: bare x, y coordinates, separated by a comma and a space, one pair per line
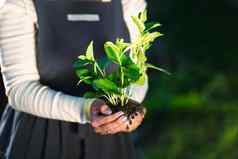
104, 109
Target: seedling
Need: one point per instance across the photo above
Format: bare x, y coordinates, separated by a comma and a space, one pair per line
129, 61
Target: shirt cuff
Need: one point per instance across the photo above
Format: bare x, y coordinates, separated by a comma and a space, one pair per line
138, 92
87, 110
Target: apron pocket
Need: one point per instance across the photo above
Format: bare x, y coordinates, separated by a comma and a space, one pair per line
83, 17
105, 1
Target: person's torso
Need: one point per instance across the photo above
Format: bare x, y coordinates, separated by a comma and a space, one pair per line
66, 27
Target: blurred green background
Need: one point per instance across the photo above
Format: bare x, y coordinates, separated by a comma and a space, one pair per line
193, 114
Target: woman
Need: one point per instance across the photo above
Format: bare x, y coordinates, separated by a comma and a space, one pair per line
46, 116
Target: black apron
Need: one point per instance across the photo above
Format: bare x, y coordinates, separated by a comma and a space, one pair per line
65, 29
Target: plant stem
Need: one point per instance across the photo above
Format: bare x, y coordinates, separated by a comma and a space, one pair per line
100, 70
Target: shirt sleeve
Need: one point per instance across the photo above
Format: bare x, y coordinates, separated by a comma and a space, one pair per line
2, 3
132, 8
19, 69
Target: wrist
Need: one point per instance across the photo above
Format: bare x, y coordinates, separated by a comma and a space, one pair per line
87, 109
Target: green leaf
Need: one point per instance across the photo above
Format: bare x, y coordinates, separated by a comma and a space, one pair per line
89, 52
114, 77
82, 57
87, 80
79, 63
141, 80
140, 25
121, 44
141, 57
103, 63
82, 72
127, 82
112, 51
157, 68
126, 60
147, 46
150, 37
84, 75
143, 15
132, 72
151, 25
106, 85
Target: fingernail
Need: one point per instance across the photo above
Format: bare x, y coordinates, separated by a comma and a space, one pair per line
108, 111
132, 117
124, 119
144, 110
120, 113
136, 113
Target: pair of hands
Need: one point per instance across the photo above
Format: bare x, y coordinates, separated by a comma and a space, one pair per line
105, 123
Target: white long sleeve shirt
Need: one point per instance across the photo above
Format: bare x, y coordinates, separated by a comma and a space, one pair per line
18, 21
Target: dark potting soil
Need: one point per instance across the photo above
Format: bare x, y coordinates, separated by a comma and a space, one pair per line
130, 108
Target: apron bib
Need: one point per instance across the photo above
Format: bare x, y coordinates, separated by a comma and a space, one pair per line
66, 27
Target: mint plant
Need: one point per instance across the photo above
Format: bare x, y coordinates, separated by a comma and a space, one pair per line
130, 60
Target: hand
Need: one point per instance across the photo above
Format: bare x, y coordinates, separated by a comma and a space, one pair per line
123, 124
101, 114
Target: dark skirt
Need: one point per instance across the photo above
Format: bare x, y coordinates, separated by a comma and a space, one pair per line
24, 136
